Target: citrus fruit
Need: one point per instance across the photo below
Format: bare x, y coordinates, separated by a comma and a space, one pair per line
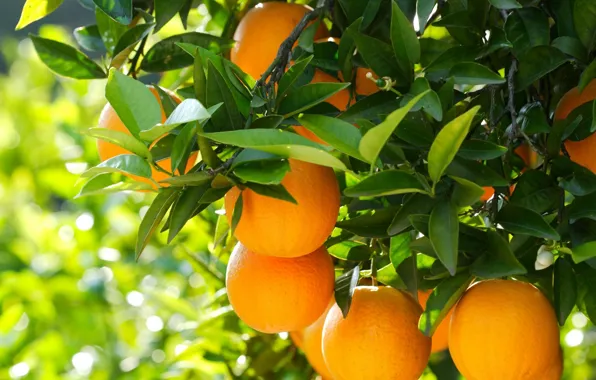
275, 294
504, 329
379, 339
440, 339
109, 119
276, 227
580, 152
261, 32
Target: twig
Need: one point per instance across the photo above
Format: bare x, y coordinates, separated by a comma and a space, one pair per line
134, 61
513, 133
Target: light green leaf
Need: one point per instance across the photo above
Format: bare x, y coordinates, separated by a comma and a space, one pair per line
341, 135
121, 139
34, 10
473, 73
387, 182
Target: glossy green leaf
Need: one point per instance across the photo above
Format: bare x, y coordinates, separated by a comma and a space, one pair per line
399, 249
121, 139
404, 40
388, 275
350, 250
373, 224
339, 134
88, 38
473, 73
536, 63
443, 228
34, 10
378, 55
153, 217
266, 172
119, 10
124, 163
430, 103
183, 209
564, 288
465, 193
536, 191
190, 110
476, 172
584, 17
583, 207
387, 182
417, 204
109, 29
272, 191
103, 184
307, 96
291, 76
571, 46
527, 28
182, 147
344, 289
267, 122
228, 116
424, 9
127, 42
520, 220
480, 150
498, 260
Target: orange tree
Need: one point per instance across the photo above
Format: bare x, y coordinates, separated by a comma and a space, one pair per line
462, 88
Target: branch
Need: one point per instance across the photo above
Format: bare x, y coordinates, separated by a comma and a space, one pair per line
135, 60
514, 132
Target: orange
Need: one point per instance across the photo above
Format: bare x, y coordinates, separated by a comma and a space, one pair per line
274, 227
378, 340
504, 329
261, 32
440, 340
309, 340
365, 86
274, 294
109, 119
580, 152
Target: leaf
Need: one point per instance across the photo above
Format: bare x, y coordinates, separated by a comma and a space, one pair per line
307, 96
167, 55
371, 107
121, 139
182, 147
581, 183
267, 122
442, 65
350, 250
534, 120
189, 179
447, 143
536, 63
370, 12
443, 229
377, 55
584, 252
135, 105
103, 184
123, 163
399, 249
388, 275
564, 288
505, 4
373, 224
119, 10
404, 40
431, 103
527, 28
341, 135
34, 10
184, 207
571, 46
88, 38
465, 193
583, 207
480, 150
417, 204
109, 29
536, 191
272, 191
587, 76
424, 8
441, 300
476, 172
127, 42
154, 215
498, 261
387, 182
65, 60
237, 213
165, 10
291, 76
344, 289
375, 139
584, 17
473, 73
282, 143
190, 110
228, 116
519, 220
265, 172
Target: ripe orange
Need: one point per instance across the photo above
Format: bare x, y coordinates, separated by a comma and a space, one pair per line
262, 30
504, 329
274, 294
581, 152
378, 340
309, 340
274, 227
109, 119
440, 340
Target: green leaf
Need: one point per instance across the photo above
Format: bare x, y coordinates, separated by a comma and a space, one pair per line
237, 213
498, 261
371, 107
199, 78
121, 139
527, 28
581, 183
476, 172
183, 209
154, 215
291, 76
473, 73
265, 172
182, 147
109, 29
127, 42
341, 135
447, 143
443, 229
431, 103
441, 300
404, 40
165, 10
307, 96
536, 63
167, 55
119, 10
583, 207
103, 184
370, 12
88, 38
34, 10
587, 76
424, 8
124, 163
306, 38
564, 288
505, 4
272, 191
520, 220
536, 191
375, 139
378, 55
388, 182
417, 204
399, 249
441, 66
167, 102
584, 252
135, 105
373, 224
344, 289
190, 110
480, 150
350, 250
571, 46
65, 60
388, 275
282, 143
465, 193
228, 116
190, 179
534, 120
584, 17
267, 122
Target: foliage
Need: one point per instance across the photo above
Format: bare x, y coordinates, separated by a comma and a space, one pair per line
462, 92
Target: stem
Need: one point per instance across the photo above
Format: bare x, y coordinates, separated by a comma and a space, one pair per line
135, 60
514, 132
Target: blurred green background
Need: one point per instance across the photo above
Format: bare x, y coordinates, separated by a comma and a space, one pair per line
74, 303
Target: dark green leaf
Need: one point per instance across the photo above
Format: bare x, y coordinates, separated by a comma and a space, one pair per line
228, 116
424, 8
237, 212
520, 220
371, 107
154, 215
190, 179
474, 74
124, 163
373, 224
121, 139
272, 191
583, 182
527, 28
565, 289
571, 46
443, 229
371, 10
307, 96
476, 172
267, 122
350, 250
341, 135
587, 75
404, 40
65, 60
306, 38
584, 17
583, 207
119, 10
505, 4
387, 182
465, 193
536, 191
431, 103
291, 75
165, 10
378, 55
498, 261
183, 146
266, 172
184, 207
480, 150
88, 38
536, 63
441, 66
344, 289
417, 204
127, 42
534, 120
